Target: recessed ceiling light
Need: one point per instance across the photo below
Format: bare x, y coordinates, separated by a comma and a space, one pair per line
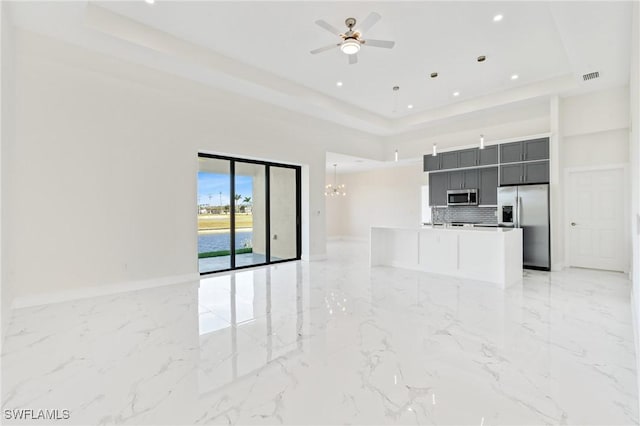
339, 83
456, 93
150, 1
497, 18
410, 106
515, 77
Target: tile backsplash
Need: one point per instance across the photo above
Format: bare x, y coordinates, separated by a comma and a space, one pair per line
464, 214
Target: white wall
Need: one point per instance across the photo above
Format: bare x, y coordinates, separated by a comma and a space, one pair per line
595, 132
103, 184
381, 197
556, 190
634, 154
596, 149
596, 112
7, 136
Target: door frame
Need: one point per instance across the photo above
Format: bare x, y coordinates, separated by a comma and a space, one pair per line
298, 196
626, 211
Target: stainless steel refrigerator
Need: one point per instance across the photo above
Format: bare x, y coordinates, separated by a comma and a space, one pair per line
527, 207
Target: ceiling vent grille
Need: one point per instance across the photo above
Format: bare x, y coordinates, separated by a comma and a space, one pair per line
591, 76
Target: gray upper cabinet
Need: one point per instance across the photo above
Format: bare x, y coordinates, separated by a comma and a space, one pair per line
511, 152
515, 174
516, 163
535, 149
456, 180
511, 174
488, 188
468, 158
448, 160
537, 172
488, 156
431, 163
438, 185
470, 179
463, 179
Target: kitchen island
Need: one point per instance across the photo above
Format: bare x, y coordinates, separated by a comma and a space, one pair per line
485, 254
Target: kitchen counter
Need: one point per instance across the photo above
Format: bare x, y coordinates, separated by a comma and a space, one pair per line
488, 228
468, 225
485, 254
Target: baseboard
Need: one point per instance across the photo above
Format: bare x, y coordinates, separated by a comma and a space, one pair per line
95, 291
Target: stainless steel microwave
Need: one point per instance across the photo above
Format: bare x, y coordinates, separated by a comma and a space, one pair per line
462, 197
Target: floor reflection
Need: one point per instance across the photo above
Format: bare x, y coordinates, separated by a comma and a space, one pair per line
236, 325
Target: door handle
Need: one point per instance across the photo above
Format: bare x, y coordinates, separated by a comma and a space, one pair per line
573, 224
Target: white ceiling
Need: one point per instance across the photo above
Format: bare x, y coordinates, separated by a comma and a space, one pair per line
261, 50
432, 36
536, 40
352, 164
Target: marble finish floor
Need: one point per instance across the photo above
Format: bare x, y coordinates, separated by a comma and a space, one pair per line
332, 342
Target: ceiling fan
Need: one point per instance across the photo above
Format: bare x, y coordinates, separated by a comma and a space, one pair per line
351, 39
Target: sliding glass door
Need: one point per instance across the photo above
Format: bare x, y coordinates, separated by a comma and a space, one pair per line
214, 218
248, 213
251, 226
283, 207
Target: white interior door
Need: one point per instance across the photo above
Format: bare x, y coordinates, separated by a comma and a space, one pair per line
596, 212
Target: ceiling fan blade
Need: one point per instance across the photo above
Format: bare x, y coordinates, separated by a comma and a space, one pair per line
379, 43
369, 22
327, 26
353, 59
324, 49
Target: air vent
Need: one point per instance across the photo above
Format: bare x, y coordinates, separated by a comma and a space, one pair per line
591, 76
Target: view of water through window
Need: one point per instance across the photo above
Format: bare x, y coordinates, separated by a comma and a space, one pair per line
235, 189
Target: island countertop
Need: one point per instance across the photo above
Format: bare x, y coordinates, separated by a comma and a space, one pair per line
461, 228
484, 254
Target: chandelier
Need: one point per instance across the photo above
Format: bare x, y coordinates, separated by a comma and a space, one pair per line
335, 189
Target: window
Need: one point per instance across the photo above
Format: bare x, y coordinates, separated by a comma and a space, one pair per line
248, 213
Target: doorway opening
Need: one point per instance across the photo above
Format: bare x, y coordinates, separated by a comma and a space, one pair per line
248, 213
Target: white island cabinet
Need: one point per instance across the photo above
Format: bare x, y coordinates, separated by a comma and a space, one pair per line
484, 254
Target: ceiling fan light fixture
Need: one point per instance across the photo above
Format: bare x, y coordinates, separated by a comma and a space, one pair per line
350, 46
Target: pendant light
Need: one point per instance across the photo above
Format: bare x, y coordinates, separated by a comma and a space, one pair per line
395, 98
396, 156
335, 189
435, 149
481, 141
